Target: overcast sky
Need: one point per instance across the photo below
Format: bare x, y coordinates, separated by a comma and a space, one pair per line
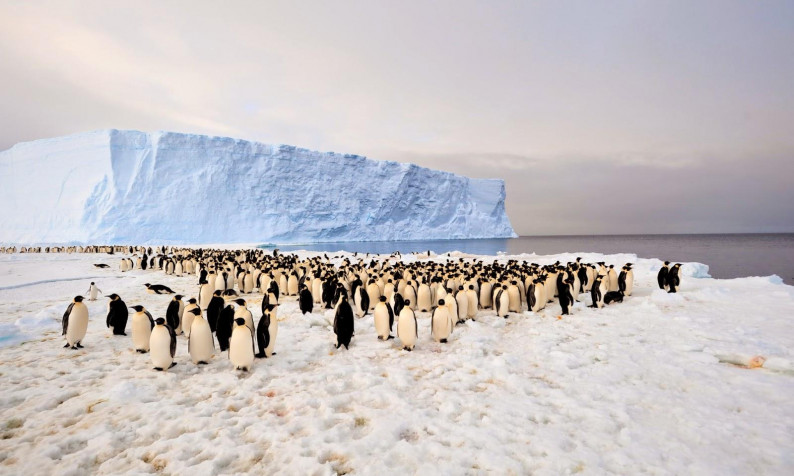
601, 117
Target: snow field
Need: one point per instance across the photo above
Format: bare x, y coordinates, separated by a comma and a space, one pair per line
649, 385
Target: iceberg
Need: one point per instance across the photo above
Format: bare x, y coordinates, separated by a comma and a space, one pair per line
119, 187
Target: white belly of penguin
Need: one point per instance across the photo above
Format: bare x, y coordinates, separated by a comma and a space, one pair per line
160, 347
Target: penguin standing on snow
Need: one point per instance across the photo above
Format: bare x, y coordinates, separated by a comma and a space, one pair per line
407, 329
241, 347
75, 323
162, 345
214, 309
172, 313
200, 344
598, 291
565, 295
117, 315
384, 319
661, 278
501, 302
93, 291
223, 331
142, 325
343, 323
674, 278
266, 332
305, 299
441, 324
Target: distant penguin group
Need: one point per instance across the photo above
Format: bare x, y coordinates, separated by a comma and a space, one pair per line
390, 290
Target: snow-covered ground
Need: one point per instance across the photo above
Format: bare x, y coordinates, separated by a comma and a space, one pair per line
640, 387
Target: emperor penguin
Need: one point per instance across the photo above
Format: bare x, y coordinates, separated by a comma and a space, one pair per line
407, 328
613, 279
501, 302
93, 291
214, 309
267, 331
292, 284
343, 323
409, 293
173, 314
75, 323
424, 298
384, 319
628, 280
674, 278
248, 283
220, 281
598, 291
485, 294
241, 346
244, 312
205, 294
142, 325
513, 297
462, 302
224, 326
373, 292
472, 304
162, 345
566, 295
361, 300
661, 278
187, 317
441, 323
117, 315
305, 299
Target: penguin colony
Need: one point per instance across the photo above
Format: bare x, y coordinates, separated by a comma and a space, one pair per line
219, 320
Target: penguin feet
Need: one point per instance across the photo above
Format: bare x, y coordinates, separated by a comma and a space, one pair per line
506, 316
201, 363
443, 341
67, 345
260, 355
390, 337
172, 365
159, 369
74, 347
79, 345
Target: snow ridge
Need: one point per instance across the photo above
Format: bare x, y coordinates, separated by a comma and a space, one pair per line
115, 186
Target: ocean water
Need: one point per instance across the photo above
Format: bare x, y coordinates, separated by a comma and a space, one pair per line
728, 255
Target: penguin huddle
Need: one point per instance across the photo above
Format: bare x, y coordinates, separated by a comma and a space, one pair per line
389, 289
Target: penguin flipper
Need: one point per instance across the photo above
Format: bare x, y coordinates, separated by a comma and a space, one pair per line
66, 318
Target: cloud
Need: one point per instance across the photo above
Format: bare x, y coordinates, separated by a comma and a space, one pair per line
576, 108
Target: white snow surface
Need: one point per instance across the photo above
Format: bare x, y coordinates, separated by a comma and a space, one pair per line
647, 386
115, 186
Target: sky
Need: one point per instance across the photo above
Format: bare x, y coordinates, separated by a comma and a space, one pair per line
602, 117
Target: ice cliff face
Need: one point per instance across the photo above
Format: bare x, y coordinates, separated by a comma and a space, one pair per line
134, 187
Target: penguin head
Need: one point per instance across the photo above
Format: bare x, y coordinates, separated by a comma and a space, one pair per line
239, 321
159, 321
240, 302
471, 286
192, 301
138, 308
92, 283
195, 311
441, 302
147, 284
407, 302
383, 299
667, 263
113, 297
177, 297
217, 292
78, 299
